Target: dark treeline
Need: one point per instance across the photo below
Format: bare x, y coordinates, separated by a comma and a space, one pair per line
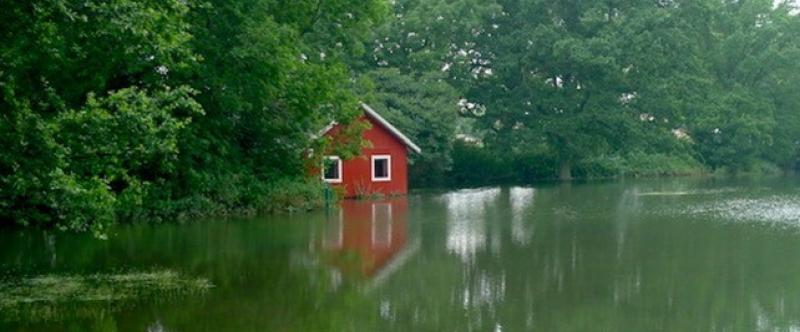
562, 89
150, 110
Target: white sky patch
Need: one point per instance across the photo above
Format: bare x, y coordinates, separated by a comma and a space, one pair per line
626, 98
469, 107
559, 81
792, 3
162, 70
680, 133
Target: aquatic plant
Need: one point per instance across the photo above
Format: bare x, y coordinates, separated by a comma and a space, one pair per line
52, 296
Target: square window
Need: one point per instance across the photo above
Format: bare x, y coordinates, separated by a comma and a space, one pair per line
332, 169
381, 168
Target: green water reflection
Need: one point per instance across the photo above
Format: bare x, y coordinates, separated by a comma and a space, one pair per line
656, 255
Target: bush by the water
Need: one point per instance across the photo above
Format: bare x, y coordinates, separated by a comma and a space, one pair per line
496, 167
640, 164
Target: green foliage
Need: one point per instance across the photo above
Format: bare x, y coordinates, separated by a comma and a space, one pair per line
411, 84
154, 110
575, 94
28, 163
87, 111
270, 79
476, 165
493, 167
294, 195
425, 109
638, 164
55, 52
423, 35
575, 83
113, 147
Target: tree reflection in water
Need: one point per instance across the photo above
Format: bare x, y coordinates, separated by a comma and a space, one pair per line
466, 220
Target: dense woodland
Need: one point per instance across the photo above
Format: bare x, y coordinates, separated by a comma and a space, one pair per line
149, 110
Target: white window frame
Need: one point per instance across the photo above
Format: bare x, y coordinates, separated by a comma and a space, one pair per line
339, 166
388, 159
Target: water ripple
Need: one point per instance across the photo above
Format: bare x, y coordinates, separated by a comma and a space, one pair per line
776, 210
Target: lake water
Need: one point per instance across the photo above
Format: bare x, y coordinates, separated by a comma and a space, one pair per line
651, 255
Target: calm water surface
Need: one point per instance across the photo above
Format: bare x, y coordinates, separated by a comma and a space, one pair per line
655, 255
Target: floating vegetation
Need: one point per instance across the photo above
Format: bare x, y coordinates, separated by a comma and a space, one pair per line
49, 297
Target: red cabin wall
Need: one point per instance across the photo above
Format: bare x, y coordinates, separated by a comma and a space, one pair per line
357, 172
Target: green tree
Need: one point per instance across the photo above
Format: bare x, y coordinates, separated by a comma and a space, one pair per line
71, 75
748, 114
426, 109
560, 73
411, 66
120, 109
583, 81
272, 76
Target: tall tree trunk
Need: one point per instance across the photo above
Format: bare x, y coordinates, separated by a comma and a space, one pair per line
565, 170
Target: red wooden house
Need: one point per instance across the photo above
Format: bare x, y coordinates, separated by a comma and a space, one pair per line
381, 168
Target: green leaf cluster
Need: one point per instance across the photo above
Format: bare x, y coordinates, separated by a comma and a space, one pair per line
151, 110
569, 84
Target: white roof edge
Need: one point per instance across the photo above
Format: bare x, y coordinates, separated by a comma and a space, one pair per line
326, 129
396, 132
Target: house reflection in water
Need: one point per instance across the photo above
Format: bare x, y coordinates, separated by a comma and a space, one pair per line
368, 238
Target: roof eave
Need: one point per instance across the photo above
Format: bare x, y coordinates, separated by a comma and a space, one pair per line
392, 129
